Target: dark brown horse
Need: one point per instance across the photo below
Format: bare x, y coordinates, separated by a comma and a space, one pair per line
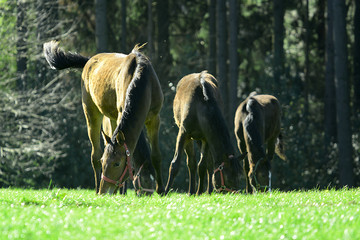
124, 88
257, 126
198, 116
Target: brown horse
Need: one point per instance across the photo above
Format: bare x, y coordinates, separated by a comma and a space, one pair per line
257, 122
143, 179
124, 88
198, 116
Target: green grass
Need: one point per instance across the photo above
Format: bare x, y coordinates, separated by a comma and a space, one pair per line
79, 214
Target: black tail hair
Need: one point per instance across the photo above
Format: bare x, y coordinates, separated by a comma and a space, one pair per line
59, 59
279, 148
202, 82
251, 125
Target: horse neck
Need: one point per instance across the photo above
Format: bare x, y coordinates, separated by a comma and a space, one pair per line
136, 108
142, 151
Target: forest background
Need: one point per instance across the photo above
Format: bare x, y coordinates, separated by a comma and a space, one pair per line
306, 53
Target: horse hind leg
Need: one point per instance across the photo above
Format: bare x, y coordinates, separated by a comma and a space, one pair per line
94, 120
239, 133
175, 163
210, 173
269, 157
246, 174
191, 163
152, 127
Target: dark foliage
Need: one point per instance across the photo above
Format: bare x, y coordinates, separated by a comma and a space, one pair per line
43, 134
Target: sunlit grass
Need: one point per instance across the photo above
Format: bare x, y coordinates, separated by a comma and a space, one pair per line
79, 214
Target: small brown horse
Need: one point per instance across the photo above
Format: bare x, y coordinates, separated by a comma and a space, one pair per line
143, 180
257, 122
124, 88
198, 116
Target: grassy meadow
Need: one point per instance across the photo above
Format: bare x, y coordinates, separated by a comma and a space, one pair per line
79, 214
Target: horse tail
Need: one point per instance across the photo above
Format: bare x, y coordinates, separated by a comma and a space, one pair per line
253, 128
279, 147
59, 59
202, 84
208, 84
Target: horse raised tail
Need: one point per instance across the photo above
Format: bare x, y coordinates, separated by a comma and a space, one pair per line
279, 147
59, 59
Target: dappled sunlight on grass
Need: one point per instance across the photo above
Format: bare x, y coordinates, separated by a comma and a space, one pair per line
76, 214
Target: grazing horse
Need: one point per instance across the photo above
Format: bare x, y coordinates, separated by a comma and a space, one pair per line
199, 118
257, 122
143, 180
125, 89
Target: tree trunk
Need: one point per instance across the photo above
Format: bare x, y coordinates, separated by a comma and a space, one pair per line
307, 64
342, 95
279, 11
47, 20
357, 60
101, 26
164, 59
233, 57
123, 26
221, 55
150, 31
212, 37
329, 101
21, 47
320, 29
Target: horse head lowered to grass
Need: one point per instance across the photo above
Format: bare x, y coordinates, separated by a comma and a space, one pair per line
257, 122
199, 118
125, 89
140, 170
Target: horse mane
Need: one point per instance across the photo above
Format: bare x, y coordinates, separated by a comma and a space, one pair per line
137, 47
142, 66
141, 60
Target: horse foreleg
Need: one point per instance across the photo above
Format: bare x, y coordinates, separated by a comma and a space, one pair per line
93, 120
175, 163
246, 167
191, 163
210, 173
152, 127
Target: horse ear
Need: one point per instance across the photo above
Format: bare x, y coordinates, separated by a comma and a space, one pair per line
107, 139
120, 138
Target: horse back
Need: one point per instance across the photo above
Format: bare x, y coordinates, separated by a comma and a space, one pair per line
196, 95
104, 77
264, 111
270, 107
